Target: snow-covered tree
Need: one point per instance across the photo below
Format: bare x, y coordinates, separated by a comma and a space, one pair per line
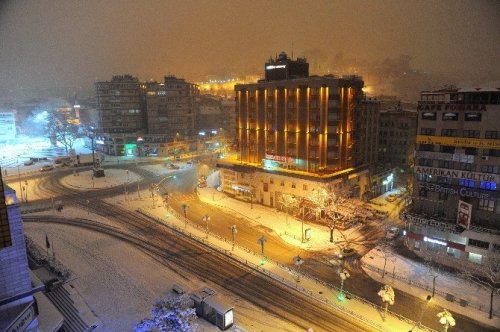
486, 275
446, 319
172, 313
62, 128
386, 293
288, 202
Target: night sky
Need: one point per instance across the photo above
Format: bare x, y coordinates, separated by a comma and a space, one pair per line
72, 43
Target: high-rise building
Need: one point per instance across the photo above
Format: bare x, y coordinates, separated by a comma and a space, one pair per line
172, 107
303, 130
456, 190
16, 294
120, 104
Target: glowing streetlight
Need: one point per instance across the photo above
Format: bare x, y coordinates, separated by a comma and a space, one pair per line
446, 319
261, 241
419, 322
298, 262
387, 295
233, 233
185, 209
206, 218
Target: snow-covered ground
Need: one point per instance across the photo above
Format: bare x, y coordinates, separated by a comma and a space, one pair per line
98, 267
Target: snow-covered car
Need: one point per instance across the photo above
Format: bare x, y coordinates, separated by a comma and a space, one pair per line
29, 162
173, 166
391, 198
46, 168
392, 233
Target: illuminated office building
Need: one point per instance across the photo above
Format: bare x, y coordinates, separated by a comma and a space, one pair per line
456, 191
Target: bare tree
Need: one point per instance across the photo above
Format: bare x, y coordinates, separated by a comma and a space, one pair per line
288, 201
433, 269
486, 275
62, 128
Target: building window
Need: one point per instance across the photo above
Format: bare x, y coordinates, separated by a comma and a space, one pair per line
467, 167
450, 116
447, 149
491, 134
304, 187
429, 116
428, 131
449, 132
467, 183
426, 147
489, 169
425, 162
475, 258
444, 164
488, 185
424, 177
453, 252
479, 244
444, 179
486, 205
471, 151
471, 133
472, 117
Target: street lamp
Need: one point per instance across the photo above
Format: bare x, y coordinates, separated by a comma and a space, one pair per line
185, 209
26, 183
419, 322
261, 241
446, 319
387, 295
233, 233
206, 218
298, 262
19, 178
343, 274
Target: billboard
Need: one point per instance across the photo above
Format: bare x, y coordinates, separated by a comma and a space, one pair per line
464, 214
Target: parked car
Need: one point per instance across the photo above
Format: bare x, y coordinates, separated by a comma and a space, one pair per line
173, 166
347, 252
28, 162
46, 168
391, 198
392, 233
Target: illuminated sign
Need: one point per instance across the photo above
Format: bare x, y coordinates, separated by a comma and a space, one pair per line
464, 214
99, 141
456, 174
427, 239
228, 318
460, 141
451, 107
279, 158
275, 66
463, 191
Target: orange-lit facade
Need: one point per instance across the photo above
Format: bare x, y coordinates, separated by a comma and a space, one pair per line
305, 124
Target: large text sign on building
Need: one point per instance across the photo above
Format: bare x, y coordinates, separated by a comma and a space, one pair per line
460, 141
456, 174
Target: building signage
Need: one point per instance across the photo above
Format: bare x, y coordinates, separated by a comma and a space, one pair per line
456, 174
24, 319
463, 191
275, 66
460, 141
279, 158
428, 239
451, 107
464, 214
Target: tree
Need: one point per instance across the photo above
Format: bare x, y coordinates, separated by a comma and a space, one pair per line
288, 202
170, 314
486, 275
386, 293
62, 128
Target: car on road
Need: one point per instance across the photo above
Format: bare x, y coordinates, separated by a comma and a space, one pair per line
392, 233
46, 168
347, 252
173, 166
391, 198
29, 162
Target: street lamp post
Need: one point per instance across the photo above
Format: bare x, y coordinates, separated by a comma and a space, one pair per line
233, 233
185, 209
26, 183
446, 319
19, 178
298, 262
261, 241
387, 295
419, 322
206, 218
88, 202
